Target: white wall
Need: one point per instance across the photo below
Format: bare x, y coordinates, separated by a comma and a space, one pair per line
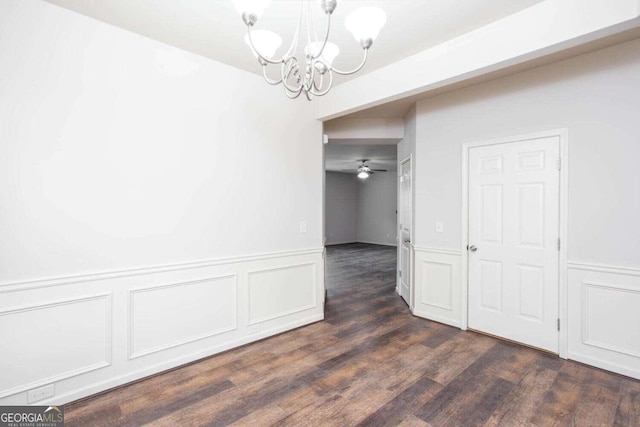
377, 205
594, 96
341, 208
149, 200
543, 29
361, 211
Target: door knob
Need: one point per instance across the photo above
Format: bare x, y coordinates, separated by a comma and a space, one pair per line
473, 248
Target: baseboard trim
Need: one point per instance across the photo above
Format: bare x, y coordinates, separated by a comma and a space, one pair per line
377, 243
612, 367
123, 380
92, 277
436, 318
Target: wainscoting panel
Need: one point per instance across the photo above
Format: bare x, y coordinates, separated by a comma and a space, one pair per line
437, 285
53, 341
279, 292
604, 317
86, 334
170, 315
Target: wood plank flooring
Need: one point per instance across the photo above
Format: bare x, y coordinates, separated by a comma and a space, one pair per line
371, 363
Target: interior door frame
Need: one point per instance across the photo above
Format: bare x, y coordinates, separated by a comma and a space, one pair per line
563, 306
408, 158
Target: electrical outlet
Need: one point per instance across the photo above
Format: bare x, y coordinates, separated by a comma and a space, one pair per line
439, 227
38, 394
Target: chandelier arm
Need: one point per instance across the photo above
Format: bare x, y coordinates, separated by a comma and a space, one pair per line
346, 73
329, 85
294, 41
258, 54
285, 74
326, 39
308, 94
293, 94
267, 79
309, 24
318, 86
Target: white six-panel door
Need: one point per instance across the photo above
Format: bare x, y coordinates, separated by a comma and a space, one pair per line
513, 241
405, 231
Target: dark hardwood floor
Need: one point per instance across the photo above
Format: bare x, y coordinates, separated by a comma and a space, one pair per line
371, 363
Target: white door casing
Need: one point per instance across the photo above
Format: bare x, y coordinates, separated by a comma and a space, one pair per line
513, 237
404, 264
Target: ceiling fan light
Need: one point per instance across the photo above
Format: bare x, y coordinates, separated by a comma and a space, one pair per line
363, 175
264, 41
328, 54
365, 24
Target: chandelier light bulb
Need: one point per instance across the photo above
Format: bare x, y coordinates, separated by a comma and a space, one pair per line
365, 24
363, 175
264, 41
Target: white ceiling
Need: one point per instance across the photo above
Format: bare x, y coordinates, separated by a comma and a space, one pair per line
339, 157
212, 28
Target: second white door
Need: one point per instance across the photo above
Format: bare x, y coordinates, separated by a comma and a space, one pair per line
405, 231
513, 241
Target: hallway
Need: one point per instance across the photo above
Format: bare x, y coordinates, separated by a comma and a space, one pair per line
371, 363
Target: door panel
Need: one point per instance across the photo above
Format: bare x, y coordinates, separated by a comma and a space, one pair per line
514, 227
405, 232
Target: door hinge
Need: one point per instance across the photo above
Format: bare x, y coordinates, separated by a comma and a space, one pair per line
558, 324
559, 163
400, 273
558, 244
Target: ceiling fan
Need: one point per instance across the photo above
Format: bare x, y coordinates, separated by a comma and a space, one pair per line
363, 170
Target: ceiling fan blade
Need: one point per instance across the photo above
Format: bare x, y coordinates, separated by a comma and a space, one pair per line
379, 170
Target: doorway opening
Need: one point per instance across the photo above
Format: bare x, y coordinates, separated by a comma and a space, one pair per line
361, 221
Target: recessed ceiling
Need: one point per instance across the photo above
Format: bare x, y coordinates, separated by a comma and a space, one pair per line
212, 28
346, 158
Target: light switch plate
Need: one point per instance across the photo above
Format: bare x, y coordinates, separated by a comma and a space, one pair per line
439, 227
303, 226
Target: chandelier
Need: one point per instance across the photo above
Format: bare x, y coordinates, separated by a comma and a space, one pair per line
312, 76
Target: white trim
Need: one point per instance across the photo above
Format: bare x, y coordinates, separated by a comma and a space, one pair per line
131, 311
599, 363
586, 336
349, 242
92, 277
107, 296
603, 268
443, 251
563, 307
436, 318
284, 313
391, 245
